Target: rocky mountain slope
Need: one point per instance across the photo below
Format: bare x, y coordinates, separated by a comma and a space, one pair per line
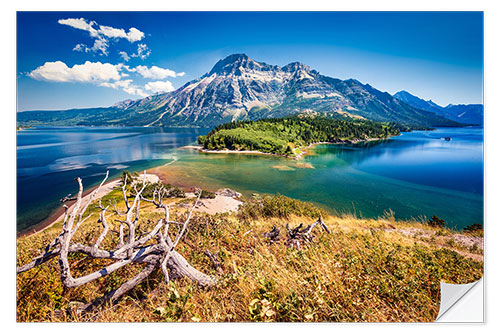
462, 113
238, 88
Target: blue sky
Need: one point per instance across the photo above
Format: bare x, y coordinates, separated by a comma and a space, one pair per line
88, 59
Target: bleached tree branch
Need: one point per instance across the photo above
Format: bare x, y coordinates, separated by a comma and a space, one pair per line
159, 254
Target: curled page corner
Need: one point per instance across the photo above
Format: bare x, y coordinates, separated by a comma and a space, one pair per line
461, 302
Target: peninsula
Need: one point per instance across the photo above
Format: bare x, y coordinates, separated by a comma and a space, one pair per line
286, 136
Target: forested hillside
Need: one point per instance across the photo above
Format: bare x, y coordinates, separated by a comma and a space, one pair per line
282, 135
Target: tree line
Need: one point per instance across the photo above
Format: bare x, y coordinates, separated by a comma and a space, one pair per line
282, 135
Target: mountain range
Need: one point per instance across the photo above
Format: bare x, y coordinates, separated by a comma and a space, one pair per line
462, 113
240, 88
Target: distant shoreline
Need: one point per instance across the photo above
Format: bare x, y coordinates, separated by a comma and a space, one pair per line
303, 150
229, 151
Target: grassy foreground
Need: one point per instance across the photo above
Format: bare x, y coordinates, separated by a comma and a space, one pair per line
364, 270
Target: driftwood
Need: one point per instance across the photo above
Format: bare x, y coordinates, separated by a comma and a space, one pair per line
273, 235
298, 236
130, 248
67, 198
215, 262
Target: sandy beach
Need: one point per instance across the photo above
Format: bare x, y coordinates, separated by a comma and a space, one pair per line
228, 151
225, 151
222, 203
303, 150
219, 204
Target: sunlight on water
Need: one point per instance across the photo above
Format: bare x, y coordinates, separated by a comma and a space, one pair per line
415, 174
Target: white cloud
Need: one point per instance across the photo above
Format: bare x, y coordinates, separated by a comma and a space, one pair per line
82, 24
116, 84
107, 75
99, 45
103, 34
124, 55
125, 85
154, 72
159, 86
142, 52
133, 90
58, 71
133, 34
80, 47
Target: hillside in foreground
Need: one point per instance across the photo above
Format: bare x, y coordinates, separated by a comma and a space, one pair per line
362, 270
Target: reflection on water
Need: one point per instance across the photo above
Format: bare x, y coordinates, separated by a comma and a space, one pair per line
49, 159
414, 174
421, 157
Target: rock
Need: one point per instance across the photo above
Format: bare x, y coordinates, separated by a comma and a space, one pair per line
469, 240
227, 192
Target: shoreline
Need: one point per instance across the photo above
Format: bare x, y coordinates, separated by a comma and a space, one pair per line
58, 214
228, 151
220, 202
303, 150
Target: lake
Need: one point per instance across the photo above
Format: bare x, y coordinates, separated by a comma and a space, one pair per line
50, 158
415, 174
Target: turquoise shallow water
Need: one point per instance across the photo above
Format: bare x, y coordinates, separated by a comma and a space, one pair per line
414, 174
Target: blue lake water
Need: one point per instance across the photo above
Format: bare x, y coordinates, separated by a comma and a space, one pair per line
49, 159
415, 174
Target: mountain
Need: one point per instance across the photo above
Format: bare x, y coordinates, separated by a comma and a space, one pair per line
240, 88
466, 114
417, 102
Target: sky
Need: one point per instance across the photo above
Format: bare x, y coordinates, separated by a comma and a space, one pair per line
90, 59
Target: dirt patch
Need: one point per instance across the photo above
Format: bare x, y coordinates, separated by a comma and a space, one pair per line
443, 240
220, 204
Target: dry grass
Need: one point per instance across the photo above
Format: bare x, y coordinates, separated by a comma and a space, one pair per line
362, 271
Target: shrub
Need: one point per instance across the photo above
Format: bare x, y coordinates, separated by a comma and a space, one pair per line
442, 232
476, 229
172, 191
278, 206
176, 192
126, 174
207, 194
435, 221
474, 248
